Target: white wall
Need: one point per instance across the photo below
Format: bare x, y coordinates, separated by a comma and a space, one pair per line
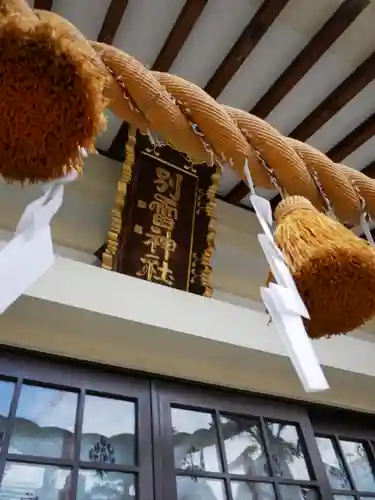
83, 311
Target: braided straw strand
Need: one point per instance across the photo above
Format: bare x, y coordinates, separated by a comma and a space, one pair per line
154, 102
235, 135
195, 124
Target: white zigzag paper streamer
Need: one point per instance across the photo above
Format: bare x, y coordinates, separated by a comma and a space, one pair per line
30, 253
284, 303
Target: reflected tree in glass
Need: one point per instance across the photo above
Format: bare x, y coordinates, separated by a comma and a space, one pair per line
245, 453
286, 450
195, 441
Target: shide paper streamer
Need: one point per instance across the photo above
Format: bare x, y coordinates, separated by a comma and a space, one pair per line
284, 303
30, 253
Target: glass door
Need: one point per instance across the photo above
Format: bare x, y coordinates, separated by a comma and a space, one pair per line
347, 449
70, 432
220, 447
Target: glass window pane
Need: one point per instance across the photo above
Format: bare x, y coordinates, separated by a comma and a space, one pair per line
34, 482
289, 492
44, 423
6, 394
104, 485
242, 490
357, 459
200, 488
244, 447
287, 451
333, 464
195, 441
108, 431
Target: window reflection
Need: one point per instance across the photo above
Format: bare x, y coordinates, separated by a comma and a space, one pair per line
6, 394
333, 464
244, 447
106, 486
252, 491
289, 492
108, 431
195, 441
287, 450
34, 482
358, 462
44, 423
197, 488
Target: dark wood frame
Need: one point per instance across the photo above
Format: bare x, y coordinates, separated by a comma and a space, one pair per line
81, 380
155, 396
336, 425
193, 398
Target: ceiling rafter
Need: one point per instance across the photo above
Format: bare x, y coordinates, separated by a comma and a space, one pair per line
43, 4
240, 191
344, 93
245, 44
318, 45
112, 20
369, 170
353, 141
181, 30
237, 193
176, 39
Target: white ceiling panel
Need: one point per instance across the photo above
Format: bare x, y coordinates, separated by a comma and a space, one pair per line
308, 16
358, 41
287, 36
86, 15
317, 84
362, 156
145, 27
346, 120
265, 64
212, 37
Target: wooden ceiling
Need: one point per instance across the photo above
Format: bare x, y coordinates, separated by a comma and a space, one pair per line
306, 66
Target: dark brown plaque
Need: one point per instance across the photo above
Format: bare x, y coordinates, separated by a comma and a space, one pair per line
167, 223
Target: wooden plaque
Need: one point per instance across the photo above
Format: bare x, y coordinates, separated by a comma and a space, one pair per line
163, 223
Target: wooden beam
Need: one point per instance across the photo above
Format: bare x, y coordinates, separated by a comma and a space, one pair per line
237, 194
179, 34
275, 201
177, 37
116, 151
246, 43
337, 99
369, 170
354, 140
318, 45
240, 191
112, 21
43, 4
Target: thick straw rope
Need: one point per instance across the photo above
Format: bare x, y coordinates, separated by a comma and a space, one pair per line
195, 124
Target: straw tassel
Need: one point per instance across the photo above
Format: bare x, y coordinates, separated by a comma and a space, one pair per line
51, 95
334, 270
